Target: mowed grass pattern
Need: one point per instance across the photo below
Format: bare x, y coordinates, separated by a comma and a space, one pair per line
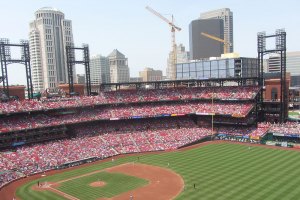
220, 171
115, 184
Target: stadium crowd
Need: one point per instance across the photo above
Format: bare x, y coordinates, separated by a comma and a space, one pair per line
22, 122
131, 96
261, 130
287, 128
8, 176
103, 139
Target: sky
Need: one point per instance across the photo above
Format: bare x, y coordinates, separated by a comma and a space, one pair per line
142, 37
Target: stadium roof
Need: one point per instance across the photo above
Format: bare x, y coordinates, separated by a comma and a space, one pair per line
187, 82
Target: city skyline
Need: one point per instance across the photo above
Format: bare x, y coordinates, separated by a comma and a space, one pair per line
144, 38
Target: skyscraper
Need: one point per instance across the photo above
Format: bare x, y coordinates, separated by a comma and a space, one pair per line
201, 46
49, 34
119, 70
99, 68
226, 15
181, 57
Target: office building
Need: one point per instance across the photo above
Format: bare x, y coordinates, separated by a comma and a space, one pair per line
119, 70
99, 68
202, 47
49, 34
182, 57
218, 68
273, 63
292, 65
226, 15
149, 74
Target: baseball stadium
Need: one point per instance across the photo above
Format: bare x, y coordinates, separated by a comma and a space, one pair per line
188, 139
225, 138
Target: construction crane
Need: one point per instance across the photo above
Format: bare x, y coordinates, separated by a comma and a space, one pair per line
174, 48
226, 44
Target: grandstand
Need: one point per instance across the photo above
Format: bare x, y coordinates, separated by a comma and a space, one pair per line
37, 136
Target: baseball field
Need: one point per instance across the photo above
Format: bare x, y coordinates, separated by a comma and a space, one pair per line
215, 171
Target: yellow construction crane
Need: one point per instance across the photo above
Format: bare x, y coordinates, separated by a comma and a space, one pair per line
225, 43
174, 48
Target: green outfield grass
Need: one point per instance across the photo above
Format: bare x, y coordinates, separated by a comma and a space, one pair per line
220, 171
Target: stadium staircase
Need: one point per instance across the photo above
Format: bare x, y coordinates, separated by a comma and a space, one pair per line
134, 142
112, 148
148, 142
105, 142
115, 151
121, 145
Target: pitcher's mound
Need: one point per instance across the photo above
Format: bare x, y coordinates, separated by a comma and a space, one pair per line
98, 184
